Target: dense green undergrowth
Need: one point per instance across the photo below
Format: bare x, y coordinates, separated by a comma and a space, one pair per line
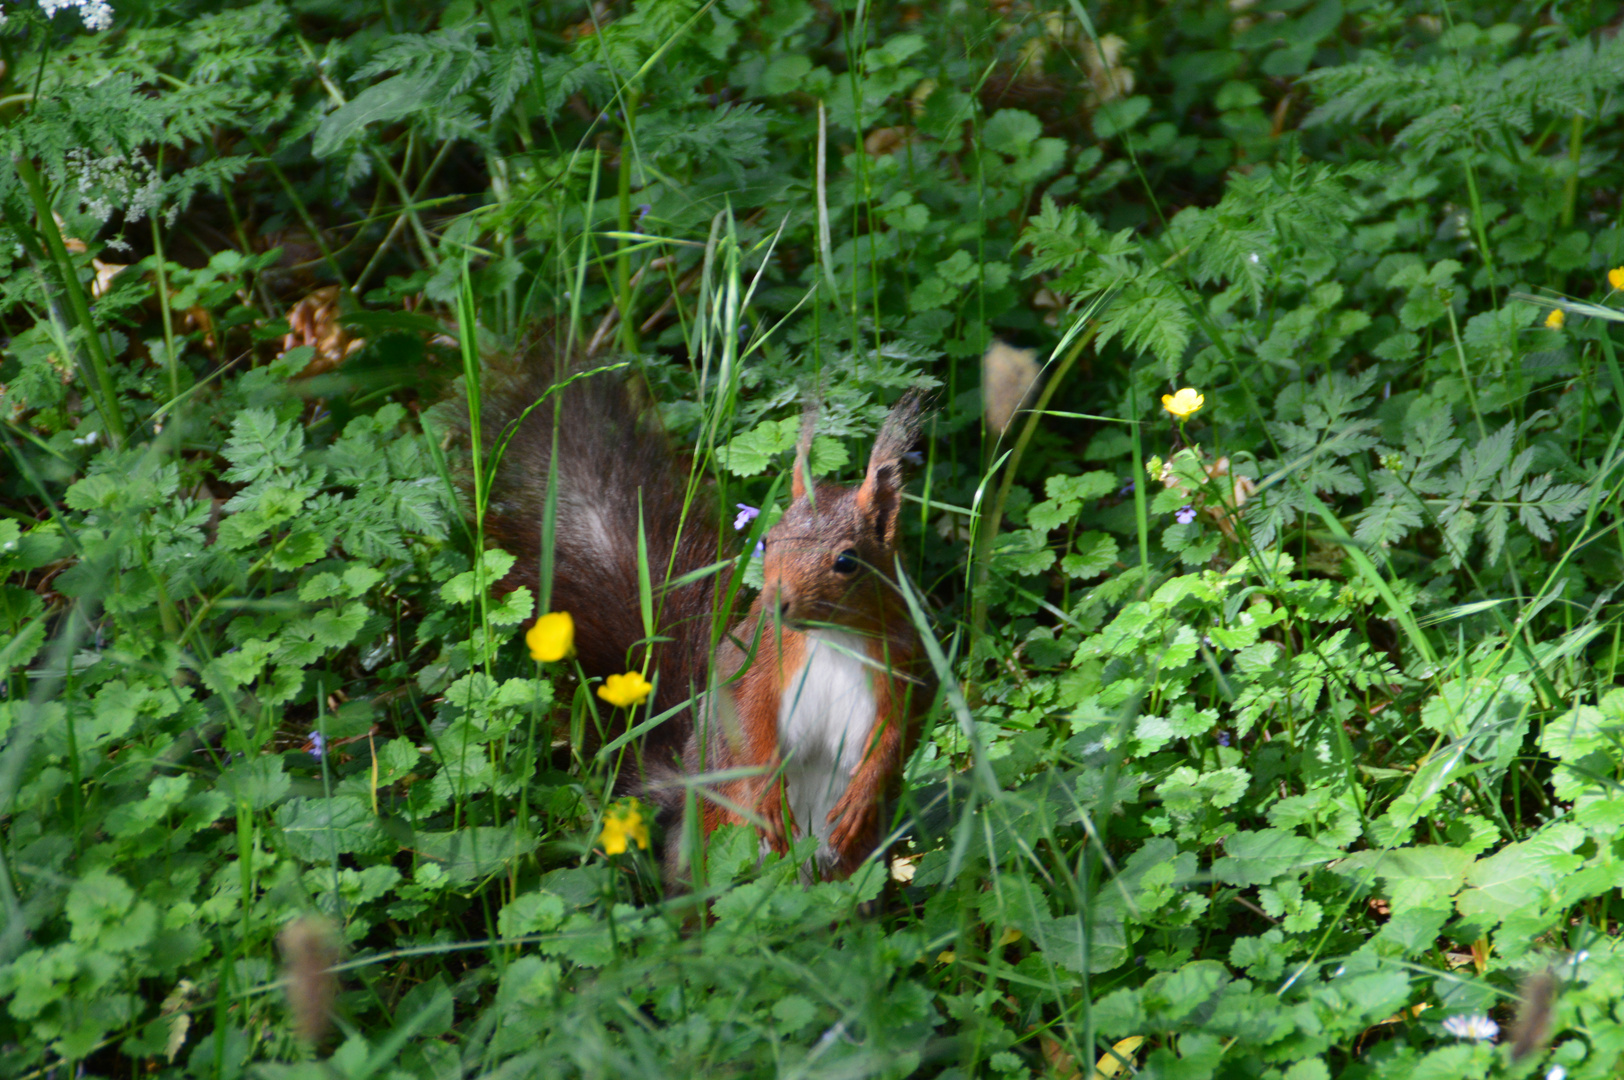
1279, 740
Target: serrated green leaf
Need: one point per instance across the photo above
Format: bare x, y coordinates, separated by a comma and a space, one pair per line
336, 629
750, 453
515, 608
1093, 553
532, 913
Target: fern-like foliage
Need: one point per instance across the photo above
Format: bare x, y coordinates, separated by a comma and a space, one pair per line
1468, 491
623, 46
433, 75
1317, 428
1139, 303
1294, 208
732, 138
1464, 98
105, 104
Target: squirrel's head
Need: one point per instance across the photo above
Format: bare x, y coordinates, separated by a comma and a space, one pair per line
830, 557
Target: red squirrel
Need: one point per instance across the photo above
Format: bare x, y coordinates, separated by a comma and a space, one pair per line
820, 687
815, 692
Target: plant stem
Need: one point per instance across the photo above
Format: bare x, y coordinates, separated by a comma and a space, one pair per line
1570, 189
1482, 228
623, 258
104, 393
987, 532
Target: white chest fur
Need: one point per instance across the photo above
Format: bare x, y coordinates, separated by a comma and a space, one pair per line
824, 719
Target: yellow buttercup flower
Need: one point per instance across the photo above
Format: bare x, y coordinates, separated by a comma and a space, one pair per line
1555, 319
620, 824
625, 690
1183, 404
1615, 277
552, 638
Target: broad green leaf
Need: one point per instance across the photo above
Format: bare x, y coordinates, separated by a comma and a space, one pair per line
381, 103
468, 855
322, 830
1522, 874
1257, 858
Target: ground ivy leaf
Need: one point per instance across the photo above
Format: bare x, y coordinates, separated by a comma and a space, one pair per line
335, 629
260, 782
1519, 875
751, 452
1257, 858
468, 855
532, 913
793, 1012
320, 830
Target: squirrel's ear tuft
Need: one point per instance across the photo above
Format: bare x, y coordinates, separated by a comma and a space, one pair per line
899, 432
881, 492
803, 451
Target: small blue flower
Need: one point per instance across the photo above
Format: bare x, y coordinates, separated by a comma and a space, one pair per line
1126, 489
643, 211
761, 549
747, 514
1223, 738
318, 745
1184, 515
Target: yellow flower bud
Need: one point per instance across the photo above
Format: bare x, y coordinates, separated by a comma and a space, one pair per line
622, 823
1555, 319
625, 690
552, 638
1184, 403
1615, 277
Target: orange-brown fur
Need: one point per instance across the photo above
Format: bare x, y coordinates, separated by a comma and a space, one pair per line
803, 589
616, 481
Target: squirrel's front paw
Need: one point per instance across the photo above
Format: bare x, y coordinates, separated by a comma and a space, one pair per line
778, 823
854, 818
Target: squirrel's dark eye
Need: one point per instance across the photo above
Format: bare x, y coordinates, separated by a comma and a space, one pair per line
846, 562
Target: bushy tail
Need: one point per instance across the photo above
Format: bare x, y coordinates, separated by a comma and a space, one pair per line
612, 460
